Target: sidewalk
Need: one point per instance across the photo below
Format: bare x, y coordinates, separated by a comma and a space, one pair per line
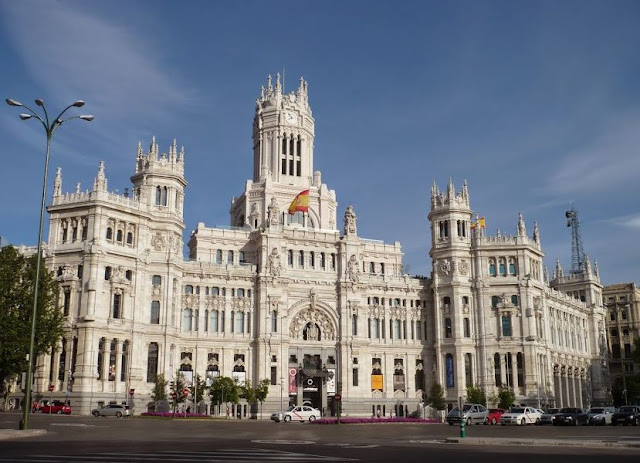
635, 443
6, 434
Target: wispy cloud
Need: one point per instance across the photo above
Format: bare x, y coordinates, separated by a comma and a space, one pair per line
609, 161
628, 221
71, 53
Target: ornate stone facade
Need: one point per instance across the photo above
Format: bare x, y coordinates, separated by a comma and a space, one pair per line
291, 299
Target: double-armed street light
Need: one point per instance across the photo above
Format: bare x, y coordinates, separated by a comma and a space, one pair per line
49, 127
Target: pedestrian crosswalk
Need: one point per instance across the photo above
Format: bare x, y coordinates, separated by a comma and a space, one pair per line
218, 456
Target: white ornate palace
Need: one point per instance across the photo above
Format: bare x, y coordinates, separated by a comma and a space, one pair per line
315, 309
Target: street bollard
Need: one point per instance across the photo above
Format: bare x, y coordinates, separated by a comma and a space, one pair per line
463, 427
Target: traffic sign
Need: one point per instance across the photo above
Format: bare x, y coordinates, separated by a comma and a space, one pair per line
186, 391
132, 391
51, 387
338, 397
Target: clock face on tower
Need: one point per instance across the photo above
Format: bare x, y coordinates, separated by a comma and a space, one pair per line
291, 118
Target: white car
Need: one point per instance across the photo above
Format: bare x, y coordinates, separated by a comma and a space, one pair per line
521, 416
600, 415
299, 413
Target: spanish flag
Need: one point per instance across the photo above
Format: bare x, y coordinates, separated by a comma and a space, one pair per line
480, 223
300, 203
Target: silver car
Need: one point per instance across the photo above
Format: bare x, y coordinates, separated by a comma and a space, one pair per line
600, 415
471, 413
116, 410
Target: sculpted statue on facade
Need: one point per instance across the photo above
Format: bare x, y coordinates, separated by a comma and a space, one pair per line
273, 213
275, 267
349, 221
352, 269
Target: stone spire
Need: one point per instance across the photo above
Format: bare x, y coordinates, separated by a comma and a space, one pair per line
100, 181
451, 191
57, 183
557, 273
465, 191
153, 149
546, 274
522, 229
596, 269
587, 264
536, 233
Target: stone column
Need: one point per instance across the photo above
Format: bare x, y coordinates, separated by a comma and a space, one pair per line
56, 367
116, 381
580, 402
558, 386
67, 363
503, 369
514, 372
566, 385
104, 374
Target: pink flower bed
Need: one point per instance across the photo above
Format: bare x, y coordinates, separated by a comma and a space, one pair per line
176, 415
354, 420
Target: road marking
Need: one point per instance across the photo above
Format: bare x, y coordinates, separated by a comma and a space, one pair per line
77, 425
222, 455
284, 442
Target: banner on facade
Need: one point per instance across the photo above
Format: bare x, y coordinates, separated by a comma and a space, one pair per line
187, 378
376, 383
239, 377
293, 380
211, 377
398, 382
331, 381
449, 371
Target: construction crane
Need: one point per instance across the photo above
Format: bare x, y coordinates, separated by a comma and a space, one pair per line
577, 249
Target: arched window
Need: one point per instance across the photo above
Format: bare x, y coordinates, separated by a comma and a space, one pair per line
397, 329
155, 312
382, 268
492, 267
311, 332
449, 371
354, 325
312, 259
498, 369
117, 306
296, 218
129, 238
322, 264
229, 257
445, 300
187, 320
468, 373
188, 289
300, 259
274, 321
219, 256
215, 291
333, 261
495, 300
152, 362
156, 280
372, 267
290, 258
119, 236
241, 257
512, 266
109, 233
502, 267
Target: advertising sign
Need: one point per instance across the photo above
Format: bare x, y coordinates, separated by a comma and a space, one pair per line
449, 371
239, 377
331, 381
398, 382
376, 382
293, 384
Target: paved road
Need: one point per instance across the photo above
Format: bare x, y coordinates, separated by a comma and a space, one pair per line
75, 438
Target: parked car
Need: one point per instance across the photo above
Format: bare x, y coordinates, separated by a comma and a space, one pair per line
494, 415
471, 413
549, 416
117, 410
299, 413
570, 416
601, 415
628, 414
521, 416
56, 407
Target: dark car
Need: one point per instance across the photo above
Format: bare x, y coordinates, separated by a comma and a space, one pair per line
550, 416
628, 414
571, 416
56, 407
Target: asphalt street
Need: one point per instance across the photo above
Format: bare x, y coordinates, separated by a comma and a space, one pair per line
79, 438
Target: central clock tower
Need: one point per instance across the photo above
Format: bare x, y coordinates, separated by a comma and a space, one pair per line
283, 134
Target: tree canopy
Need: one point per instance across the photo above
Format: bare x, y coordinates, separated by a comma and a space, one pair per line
17, 283
436, 397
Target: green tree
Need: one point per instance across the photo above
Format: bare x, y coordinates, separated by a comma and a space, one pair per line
436, 397
179, 385
254, 395
200, 389
159, 389
262, 390
17, 281
224, 390
476, 395
505, 398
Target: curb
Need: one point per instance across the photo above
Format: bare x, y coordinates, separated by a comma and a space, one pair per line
6, 434
541, 442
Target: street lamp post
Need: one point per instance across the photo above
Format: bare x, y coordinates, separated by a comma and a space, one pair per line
49, 127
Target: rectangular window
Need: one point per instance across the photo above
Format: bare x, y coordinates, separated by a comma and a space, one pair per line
274, 376
155, 312
67, 301
116, 306
506, 325
467, 328
355, 377
447, 327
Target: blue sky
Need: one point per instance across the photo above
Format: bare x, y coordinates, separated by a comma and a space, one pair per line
535, 104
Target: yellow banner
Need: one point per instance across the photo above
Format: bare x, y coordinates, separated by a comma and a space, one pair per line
377, 383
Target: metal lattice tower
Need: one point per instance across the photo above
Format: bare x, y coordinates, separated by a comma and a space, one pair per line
577, 249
